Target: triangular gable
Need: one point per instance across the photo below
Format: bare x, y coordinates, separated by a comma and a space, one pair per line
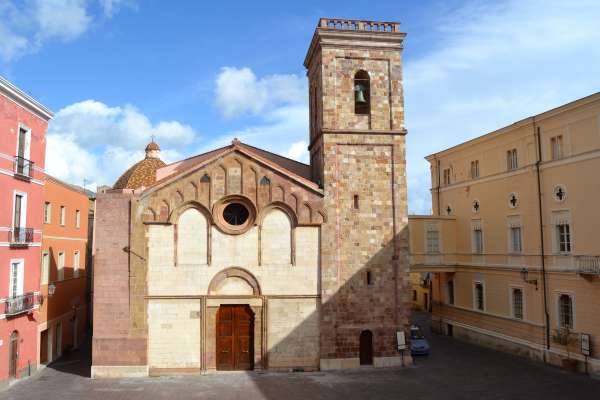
191, 165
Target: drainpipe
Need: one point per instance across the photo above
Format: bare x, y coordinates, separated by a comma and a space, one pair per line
537, 136
438, 186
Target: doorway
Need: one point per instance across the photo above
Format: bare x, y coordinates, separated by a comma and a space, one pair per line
44, 346
58, 339
235, 338
13, 356
366, 348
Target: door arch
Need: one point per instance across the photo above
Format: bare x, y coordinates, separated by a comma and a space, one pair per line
13, 356
366, 348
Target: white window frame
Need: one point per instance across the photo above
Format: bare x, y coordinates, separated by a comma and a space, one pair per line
475, 307
77, 219
556, 147
76, 261
474, 169
20, 283
27, 152
559, 235
23, 221
573, 308
47, 212
45, 270
432, 247
511, 233
60, 265
477, 226
512, 159
511, 299
63, 215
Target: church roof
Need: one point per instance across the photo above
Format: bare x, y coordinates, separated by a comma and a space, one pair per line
297, 171
142, 173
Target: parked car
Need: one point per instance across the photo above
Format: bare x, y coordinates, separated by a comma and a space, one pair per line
418, 343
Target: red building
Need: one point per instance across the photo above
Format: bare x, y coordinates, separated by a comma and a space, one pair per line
23, 123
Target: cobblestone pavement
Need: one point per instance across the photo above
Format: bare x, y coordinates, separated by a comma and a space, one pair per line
454, 370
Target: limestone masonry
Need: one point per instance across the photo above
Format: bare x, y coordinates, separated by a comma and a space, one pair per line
242, 259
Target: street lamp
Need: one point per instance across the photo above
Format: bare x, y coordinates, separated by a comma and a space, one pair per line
525, 275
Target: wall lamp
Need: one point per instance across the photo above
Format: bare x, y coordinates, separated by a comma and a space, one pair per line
524, 276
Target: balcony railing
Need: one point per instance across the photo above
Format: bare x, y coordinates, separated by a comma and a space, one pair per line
21, 236
23, 168
588, 265
20, 304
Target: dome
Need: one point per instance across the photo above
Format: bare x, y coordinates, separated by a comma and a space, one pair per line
152, 146
142, 173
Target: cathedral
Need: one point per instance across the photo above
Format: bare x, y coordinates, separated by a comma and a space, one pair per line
241, 259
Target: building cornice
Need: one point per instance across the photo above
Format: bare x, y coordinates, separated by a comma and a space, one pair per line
24, 100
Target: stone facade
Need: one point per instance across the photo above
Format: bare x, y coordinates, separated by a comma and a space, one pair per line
298, 254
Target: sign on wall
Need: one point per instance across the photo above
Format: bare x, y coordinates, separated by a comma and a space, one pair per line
401, 340
586, 346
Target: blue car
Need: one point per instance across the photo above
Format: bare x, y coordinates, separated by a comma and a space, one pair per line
418, 343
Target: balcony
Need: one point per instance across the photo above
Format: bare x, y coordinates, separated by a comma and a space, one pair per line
20, 304
23, 168
20, 237
588, 265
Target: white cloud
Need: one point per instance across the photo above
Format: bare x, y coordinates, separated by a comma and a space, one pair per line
238, 91
495, 63
298, 151
62, 19
92, 140
26, 25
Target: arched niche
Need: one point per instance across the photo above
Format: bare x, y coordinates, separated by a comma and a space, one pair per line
234, 281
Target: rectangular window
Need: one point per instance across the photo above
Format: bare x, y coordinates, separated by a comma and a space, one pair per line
517, 303
447, 176
512, 161
16, 278
475, 169
62, 215
565, 311
450, 285
477, 240
61, 266
47, 212
563, 235
414, 295
22, 145
77, 219
515, 239
556, 144
355, 202
18, 211
44, 275
433, 241
76, 264
478, 296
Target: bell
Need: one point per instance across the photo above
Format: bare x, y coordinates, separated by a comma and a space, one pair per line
360, 94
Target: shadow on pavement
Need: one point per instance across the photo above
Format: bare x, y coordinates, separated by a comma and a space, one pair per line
75, 362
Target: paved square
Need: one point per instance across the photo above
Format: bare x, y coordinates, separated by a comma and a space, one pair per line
454, 370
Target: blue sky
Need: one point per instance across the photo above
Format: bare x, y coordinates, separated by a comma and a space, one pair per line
196, 74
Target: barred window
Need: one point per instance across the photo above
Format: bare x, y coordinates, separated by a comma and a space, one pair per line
563, 235
517, 303
565, 311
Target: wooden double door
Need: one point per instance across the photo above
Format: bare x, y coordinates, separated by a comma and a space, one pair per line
235, 338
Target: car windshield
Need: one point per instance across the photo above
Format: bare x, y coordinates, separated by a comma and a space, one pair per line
416, 334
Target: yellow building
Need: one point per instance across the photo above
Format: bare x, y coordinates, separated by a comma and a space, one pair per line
512, 243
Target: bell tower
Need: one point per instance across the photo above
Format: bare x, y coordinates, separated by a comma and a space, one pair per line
357, 153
